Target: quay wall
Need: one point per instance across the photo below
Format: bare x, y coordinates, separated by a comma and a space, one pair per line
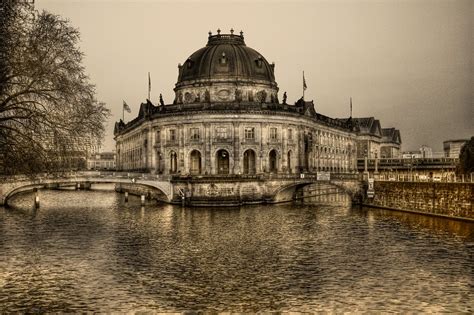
435, 198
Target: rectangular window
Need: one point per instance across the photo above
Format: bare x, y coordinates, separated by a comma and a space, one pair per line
172, 134
290, 134
221, 133
194, 133
273, 133
158, 136
249, 133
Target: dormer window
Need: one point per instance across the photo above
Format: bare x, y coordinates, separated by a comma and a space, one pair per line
259, 61
223, 59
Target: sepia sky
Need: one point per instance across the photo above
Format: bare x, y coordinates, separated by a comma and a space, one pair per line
408, 63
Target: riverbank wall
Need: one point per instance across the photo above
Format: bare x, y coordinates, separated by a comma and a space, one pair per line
434, 198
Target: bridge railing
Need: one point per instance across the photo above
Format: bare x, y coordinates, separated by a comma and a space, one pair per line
267, 176
84, 174
147, 176
448, 178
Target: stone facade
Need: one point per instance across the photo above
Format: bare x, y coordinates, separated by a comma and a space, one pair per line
226, 119
220, 143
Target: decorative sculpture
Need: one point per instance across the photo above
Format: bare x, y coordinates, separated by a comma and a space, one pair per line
162, 103
284, 98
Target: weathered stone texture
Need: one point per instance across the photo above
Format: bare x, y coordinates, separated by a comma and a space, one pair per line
451, 199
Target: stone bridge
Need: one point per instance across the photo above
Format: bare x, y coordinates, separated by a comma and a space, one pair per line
252, 189
12, 185
193, 190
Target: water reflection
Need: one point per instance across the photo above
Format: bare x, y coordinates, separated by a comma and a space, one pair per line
429, 223
88, 251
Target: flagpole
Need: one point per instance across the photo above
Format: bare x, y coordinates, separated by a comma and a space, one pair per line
123, 111
351, 106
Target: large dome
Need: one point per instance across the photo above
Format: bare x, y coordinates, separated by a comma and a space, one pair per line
226, 70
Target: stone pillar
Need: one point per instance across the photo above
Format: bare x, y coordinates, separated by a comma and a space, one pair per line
151, 144
376, 164
236, 154
207, 159
284, 150
299, 153
262, 154
180, 134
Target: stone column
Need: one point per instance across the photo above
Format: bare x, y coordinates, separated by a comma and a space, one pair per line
207, 169
151, 151
262, 154
236, 154
180, 134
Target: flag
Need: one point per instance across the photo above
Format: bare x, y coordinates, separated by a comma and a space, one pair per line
351, 106
149, 85
126, 107
304, 83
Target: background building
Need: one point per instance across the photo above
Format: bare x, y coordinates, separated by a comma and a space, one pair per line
452, 148
101, 161
373, 141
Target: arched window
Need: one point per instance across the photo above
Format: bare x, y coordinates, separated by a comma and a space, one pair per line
222, 158
288, 161
272, 162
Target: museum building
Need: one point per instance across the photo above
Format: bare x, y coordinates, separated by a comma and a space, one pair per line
227, 119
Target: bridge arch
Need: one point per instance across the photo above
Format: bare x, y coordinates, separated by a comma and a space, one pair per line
7, 191
286, 192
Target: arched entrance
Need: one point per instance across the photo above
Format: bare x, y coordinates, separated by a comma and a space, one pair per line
222, 157
272, 161
195, 162
249, 162
173, 162
288, 162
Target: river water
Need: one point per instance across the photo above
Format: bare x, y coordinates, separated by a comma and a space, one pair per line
90, 251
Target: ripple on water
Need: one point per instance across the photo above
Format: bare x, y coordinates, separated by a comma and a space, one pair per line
87, 251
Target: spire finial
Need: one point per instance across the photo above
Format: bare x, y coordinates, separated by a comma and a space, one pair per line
218, 31
232, 31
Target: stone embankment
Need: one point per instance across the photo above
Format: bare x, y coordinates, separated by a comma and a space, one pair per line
435, 198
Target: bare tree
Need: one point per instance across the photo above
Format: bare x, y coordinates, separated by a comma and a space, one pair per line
47, 103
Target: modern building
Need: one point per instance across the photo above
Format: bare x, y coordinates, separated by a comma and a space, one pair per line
426, 151
227, 119
452, 148
101, 161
